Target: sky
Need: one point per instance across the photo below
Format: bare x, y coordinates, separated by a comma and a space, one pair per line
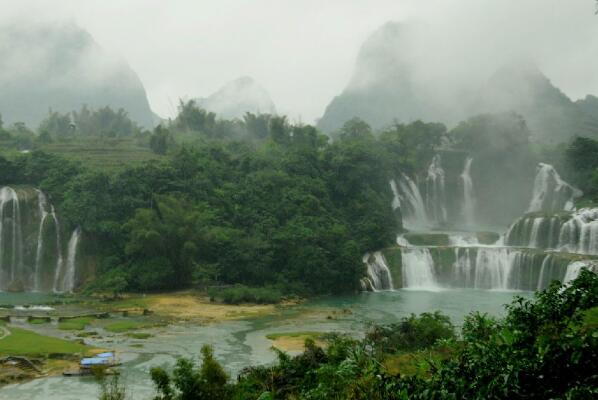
303, 51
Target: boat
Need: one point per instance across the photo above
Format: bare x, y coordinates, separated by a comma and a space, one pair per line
88, 365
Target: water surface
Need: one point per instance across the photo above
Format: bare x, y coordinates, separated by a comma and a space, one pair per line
238, 344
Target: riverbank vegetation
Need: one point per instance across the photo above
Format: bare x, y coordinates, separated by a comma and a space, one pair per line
545, 347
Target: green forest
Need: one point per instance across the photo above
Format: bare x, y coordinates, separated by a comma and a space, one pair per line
259, 202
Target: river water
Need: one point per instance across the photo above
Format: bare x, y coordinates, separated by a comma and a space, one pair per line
238, 344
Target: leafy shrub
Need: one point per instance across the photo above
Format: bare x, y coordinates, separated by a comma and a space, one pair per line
411, 333
244, 294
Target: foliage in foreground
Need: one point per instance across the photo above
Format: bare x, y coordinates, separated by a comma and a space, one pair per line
546, 347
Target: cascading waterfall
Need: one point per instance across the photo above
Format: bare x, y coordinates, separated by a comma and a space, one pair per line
435, 191
468, 208
59, 260
550, 192
417, 269
396, 198
42, 203
494, 268
9, 196
31, 250
379, 275
408, 197
575, 268
575, 232
548, 243
69, 276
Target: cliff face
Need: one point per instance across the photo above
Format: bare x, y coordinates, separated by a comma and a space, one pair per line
61, 67
237, 97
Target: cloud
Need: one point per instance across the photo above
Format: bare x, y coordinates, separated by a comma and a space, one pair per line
303, 52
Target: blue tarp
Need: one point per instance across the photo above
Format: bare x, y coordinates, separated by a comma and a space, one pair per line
108, 354
95, 361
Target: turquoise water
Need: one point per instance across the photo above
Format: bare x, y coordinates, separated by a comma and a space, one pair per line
30, 298
238, 344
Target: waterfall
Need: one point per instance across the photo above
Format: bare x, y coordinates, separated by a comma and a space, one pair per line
417, 269
462, 240
408, 197
69, 276
17, 237
15, 233
468, 208
580, 233
43, 214
537, 222
575, 232
378, 272
32, 257
493, 268
396, 199
435, 193
574, 268
550, 192
59, 260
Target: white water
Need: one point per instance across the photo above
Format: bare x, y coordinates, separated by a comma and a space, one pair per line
9, 195
379, 274
463, 240
417, 269
408, 197
577, 233
43, 214
69, 276
573, 270
435, 191
59, 260
469, 202
550, 192
580, 233
396, 198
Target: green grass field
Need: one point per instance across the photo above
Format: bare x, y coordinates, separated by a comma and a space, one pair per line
108, 154
125, 325
21, 342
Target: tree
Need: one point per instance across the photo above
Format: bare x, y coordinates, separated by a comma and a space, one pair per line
193, 118
161, 140
208, 382
354, 129
111, 388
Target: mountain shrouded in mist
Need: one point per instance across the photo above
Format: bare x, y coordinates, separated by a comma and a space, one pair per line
551, 116
382, 87
61, 67
237, 97
394, 80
